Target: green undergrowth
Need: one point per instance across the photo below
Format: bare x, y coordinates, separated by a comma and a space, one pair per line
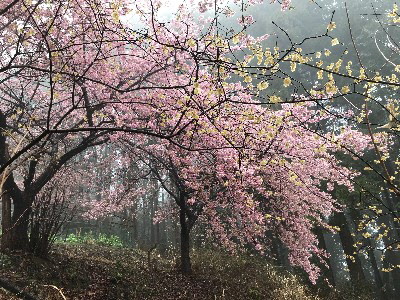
93, 271
91, 238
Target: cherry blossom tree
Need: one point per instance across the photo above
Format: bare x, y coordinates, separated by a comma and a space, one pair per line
252, 180
194, 101
72, 73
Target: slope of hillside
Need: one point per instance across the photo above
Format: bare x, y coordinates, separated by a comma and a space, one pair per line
100, 272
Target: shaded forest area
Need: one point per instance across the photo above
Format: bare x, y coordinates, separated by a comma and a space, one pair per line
206, 150
96, 271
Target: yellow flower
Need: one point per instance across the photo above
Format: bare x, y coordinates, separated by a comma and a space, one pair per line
191, 43
57, 77
115, 16
345, 89
274, 99
362, 74
327, 52
335, 42
287, 81
248, 79
330, 87
293, 66
331, 26
262, 85
366, 235
318, 55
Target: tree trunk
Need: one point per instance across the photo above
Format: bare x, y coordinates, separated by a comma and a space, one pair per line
353, 261
370, 244
176, 235
20, 222
391, 279
375, 272
135, 232
5, 221
186, 266
152, 215
157, 225
144, 238
392, 257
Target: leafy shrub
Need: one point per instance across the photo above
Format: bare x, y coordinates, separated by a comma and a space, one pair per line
90, 238
73, 238
109, 240
5, 260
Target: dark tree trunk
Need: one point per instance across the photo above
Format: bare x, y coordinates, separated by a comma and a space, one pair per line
20, 223
135, 233
152, 215
392, 257
162, 230
273, 249
144, 238
186, 266
353, 261
379, 289
6, 222
186, 225
124, 228
176, 234
391, 279
157, 225
133, 216
375, 272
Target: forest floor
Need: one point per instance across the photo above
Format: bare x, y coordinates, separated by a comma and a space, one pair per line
111, 273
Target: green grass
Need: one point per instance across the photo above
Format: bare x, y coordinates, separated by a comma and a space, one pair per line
90, 238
